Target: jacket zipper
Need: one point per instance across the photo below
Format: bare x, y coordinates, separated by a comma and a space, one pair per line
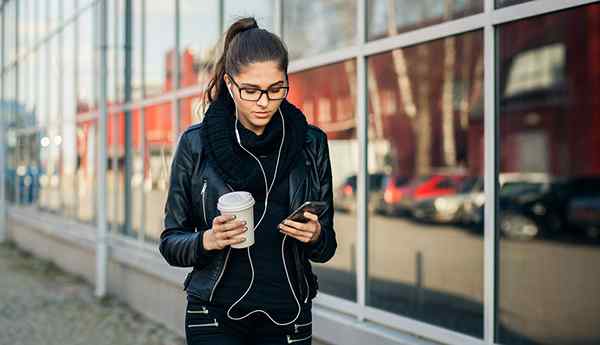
215, 323
307, 288
220, 275
203, 193
203, 311
224, 266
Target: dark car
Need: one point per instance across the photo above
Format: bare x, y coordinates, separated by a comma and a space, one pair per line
558, 207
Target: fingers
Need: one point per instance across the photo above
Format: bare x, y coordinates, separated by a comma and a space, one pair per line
226, 231
223, 235
298, 225
303, 236
311, 216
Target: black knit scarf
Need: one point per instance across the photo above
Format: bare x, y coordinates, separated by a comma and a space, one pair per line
235, 165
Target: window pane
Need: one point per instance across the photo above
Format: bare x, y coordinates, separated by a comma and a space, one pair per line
10, 16
326, 25
137, 174
199, 33
160, 43
68, 127
22, 24
191, 111
69, 8
86, 95
42, 85
549, 181
425, 180
326, 96
158, 144
504, 3
388, 18
136, 50
262, 10
115, 138
87, 143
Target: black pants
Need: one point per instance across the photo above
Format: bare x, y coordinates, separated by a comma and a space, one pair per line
206, 323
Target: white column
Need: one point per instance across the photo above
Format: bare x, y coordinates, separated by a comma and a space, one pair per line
101, 226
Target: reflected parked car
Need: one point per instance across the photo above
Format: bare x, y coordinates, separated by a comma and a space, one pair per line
449, 208
401, 200
537, 206
344, 196
389, 195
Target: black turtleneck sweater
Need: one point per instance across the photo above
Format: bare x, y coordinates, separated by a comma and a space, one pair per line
270, 290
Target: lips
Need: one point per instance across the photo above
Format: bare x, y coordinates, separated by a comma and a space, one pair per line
261, 115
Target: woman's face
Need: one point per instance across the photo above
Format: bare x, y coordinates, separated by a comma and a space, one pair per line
255, 115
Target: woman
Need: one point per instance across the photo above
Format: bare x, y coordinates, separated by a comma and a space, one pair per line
251, 139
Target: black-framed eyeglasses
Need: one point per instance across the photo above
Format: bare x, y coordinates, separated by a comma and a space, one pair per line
273, 93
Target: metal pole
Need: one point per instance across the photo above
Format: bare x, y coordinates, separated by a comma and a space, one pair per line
3, 231
362, 237
101, 226
128, 128
490, 128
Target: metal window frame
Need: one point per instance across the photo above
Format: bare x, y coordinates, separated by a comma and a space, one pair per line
3, 222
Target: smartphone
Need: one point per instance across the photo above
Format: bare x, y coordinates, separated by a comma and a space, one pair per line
315, 207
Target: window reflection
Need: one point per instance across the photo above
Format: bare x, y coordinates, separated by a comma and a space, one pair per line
549, 182
191, 111
504, 3
389, 18
326, 95
158, 146
159, 47
86, 134
199, 35
115, 175
86, 94
262, 10
326, 25
425, 177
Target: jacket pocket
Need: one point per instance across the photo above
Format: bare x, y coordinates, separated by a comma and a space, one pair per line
200, 319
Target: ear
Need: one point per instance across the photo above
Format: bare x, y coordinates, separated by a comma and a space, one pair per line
227, 80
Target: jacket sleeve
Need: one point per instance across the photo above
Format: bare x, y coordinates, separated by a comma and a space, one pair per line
179, 244
324, 248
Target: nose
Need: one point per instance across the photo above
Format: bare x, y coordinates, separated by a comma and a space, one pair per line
263, 102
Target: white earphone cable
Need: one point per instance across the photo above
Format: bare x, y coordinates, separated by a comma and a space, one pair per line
267, 192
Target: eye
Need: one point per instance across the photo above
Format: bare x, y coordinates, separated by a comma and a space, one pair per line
251, 91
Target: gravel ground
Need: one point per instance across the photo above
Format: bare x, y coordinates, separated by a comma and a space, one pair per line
40, 304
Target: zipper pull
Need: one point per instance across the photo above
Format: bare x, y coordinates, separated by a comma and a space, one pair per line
204, 184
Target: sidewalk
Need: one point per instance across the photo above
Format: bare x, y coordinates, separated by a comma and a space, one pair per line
40, 304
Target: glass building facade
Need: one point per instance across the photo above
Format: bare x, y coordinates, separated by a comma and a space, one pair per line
464, 138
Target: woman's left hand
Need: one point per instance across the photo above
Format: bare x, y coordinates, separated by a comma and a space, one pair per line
308, 232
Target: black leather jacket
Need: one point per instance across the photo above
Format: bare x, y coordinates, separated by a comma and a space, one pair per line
194, 189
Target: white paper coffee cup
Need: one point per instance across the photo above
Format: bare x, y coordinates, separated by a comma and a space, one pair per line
240, 204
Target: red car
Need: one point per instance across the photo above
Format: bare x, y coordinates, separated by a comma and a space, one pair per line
399, 200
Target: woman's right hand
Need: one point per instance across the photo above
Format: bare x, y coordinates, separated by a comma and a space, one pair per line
223, 233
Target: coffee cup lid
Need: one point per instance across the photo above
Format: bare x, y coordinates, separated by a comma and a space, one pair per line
235, 201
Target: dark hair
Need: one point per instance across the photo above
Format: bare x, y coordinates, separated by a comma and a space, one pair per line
245, 43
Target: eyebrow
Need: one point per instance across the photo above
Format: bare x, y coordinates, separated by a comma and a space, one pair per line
258, 87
